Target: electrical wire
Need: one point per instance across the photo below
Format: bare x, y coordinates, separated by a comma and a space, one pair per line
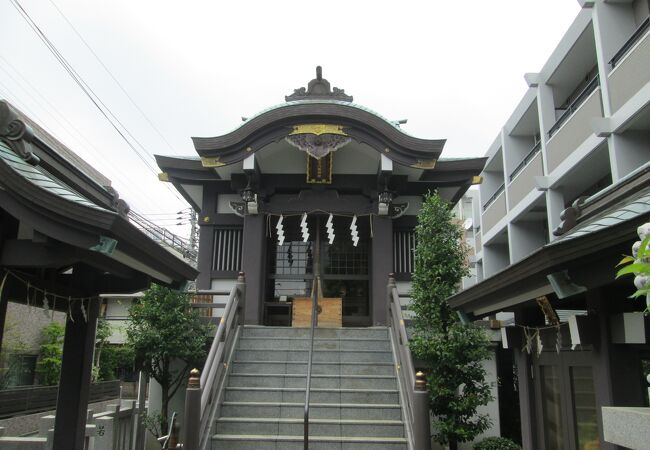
142, 113
116, 173
92, 96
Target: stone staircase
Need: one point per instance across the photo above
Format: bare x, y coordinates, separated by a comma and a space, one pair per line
355, 401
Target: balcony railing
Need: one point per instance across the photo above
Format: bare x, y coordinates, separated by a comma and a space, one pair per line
574, 105
529, 157
494, 196
636, 36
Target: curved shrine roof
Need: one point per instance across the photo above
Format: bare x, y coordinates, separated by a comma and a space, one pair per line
319, 105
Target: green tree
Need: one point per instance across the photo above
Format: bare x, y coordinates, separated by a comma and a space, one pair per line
48, 366
115, 357
102, 334
453, 351
168, 340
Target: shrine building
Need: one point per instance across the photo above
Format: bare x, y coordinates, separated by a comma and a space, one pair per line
315, 186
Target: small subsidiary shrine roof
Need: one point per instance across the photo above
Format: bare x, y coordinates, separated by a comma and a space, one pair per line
81, 221
605, 229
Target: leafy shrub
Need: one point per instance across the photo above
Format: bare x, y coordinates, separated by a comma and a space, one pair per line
496, 443
48, 366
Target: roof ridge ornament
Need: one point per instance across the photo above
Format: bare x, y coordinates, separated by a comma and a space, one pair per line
17, 134
318, 88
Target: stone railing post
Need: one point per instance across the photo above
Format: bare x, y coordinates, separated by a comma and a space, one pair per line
241, 287
192, 420
421, 416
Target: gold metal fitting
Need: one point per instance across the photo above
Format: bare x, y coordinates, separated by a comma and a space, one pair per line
420, 382
195, 379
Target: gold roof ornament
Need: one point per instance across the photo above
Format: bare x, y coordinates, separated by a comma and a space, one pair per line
318, 129
211, 161
425, 164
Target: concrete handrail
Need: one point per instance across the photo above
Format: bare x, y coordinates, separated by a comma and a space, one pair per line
413, 384
201, 400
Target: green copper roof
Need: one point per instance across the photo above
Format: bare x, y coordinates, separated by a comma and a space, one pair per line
42, 179
634, 207
325, 101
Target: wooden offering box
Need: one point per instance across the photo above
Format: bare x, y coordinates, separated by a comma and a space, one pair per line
330, 315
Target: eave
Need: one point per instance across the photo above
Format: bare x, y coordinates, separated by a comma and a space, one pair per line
597, 252
83, 226
360, 124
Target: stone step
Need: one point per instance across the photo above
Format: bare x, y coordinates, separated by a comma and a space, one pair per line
332, 333
299, 343
259, 442
317, 427
317, 395
335, 356
317, 381
284, 410
318, 368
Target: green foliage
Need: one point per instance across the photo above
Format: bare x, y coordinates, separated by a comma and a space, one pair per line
115, 357
168, 339
102, 334
153, 423
639, 266
452, 350
497, 443
48, 366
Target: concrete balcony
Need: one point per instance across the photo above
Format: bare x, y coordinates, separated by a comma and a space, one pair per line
632, 71
494, 212
524, 182
573, 132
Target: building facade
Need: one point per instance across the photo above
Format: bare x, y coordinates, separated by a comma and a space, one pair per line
565, 187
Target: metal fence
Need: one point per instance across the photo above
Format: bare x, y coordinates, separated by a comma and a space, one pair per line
31, 399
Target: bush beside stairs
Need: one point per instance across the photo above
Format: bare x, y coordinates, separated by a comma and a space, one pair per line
355, 401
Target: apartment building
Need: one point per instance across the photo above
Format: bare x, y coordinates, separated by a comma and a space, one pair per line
566, 184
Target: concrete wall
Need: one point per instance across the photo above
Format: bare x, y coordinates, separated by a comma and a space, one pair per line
24, 326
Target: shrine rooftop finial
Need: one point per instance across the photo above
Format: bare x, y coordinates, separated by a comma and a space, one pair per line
319, 88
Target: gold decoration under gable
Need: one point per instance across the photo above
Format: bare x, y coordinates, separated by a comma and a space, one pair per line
477, 179
318, 129
163, 176
424, 164
211, 162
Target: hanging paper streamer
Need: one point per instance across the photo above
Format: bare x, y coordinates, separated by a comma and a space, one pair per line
354, 232
558, 340
330, 229
280, 229
70, 309
540, 346
304, 228
46, 305
528, 336
83, 311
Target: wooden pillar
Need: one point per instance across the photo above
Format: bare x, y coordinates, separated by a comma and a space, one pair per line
531, 316
206, 239
253, 265
381, 266
74, 385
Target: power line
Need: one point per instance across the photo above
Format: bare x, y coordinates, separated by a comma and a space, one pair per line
78, 138
114, 78
88, 91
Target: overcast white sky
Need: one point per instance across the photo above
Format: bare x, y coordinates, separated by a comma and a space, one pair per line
454, 69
